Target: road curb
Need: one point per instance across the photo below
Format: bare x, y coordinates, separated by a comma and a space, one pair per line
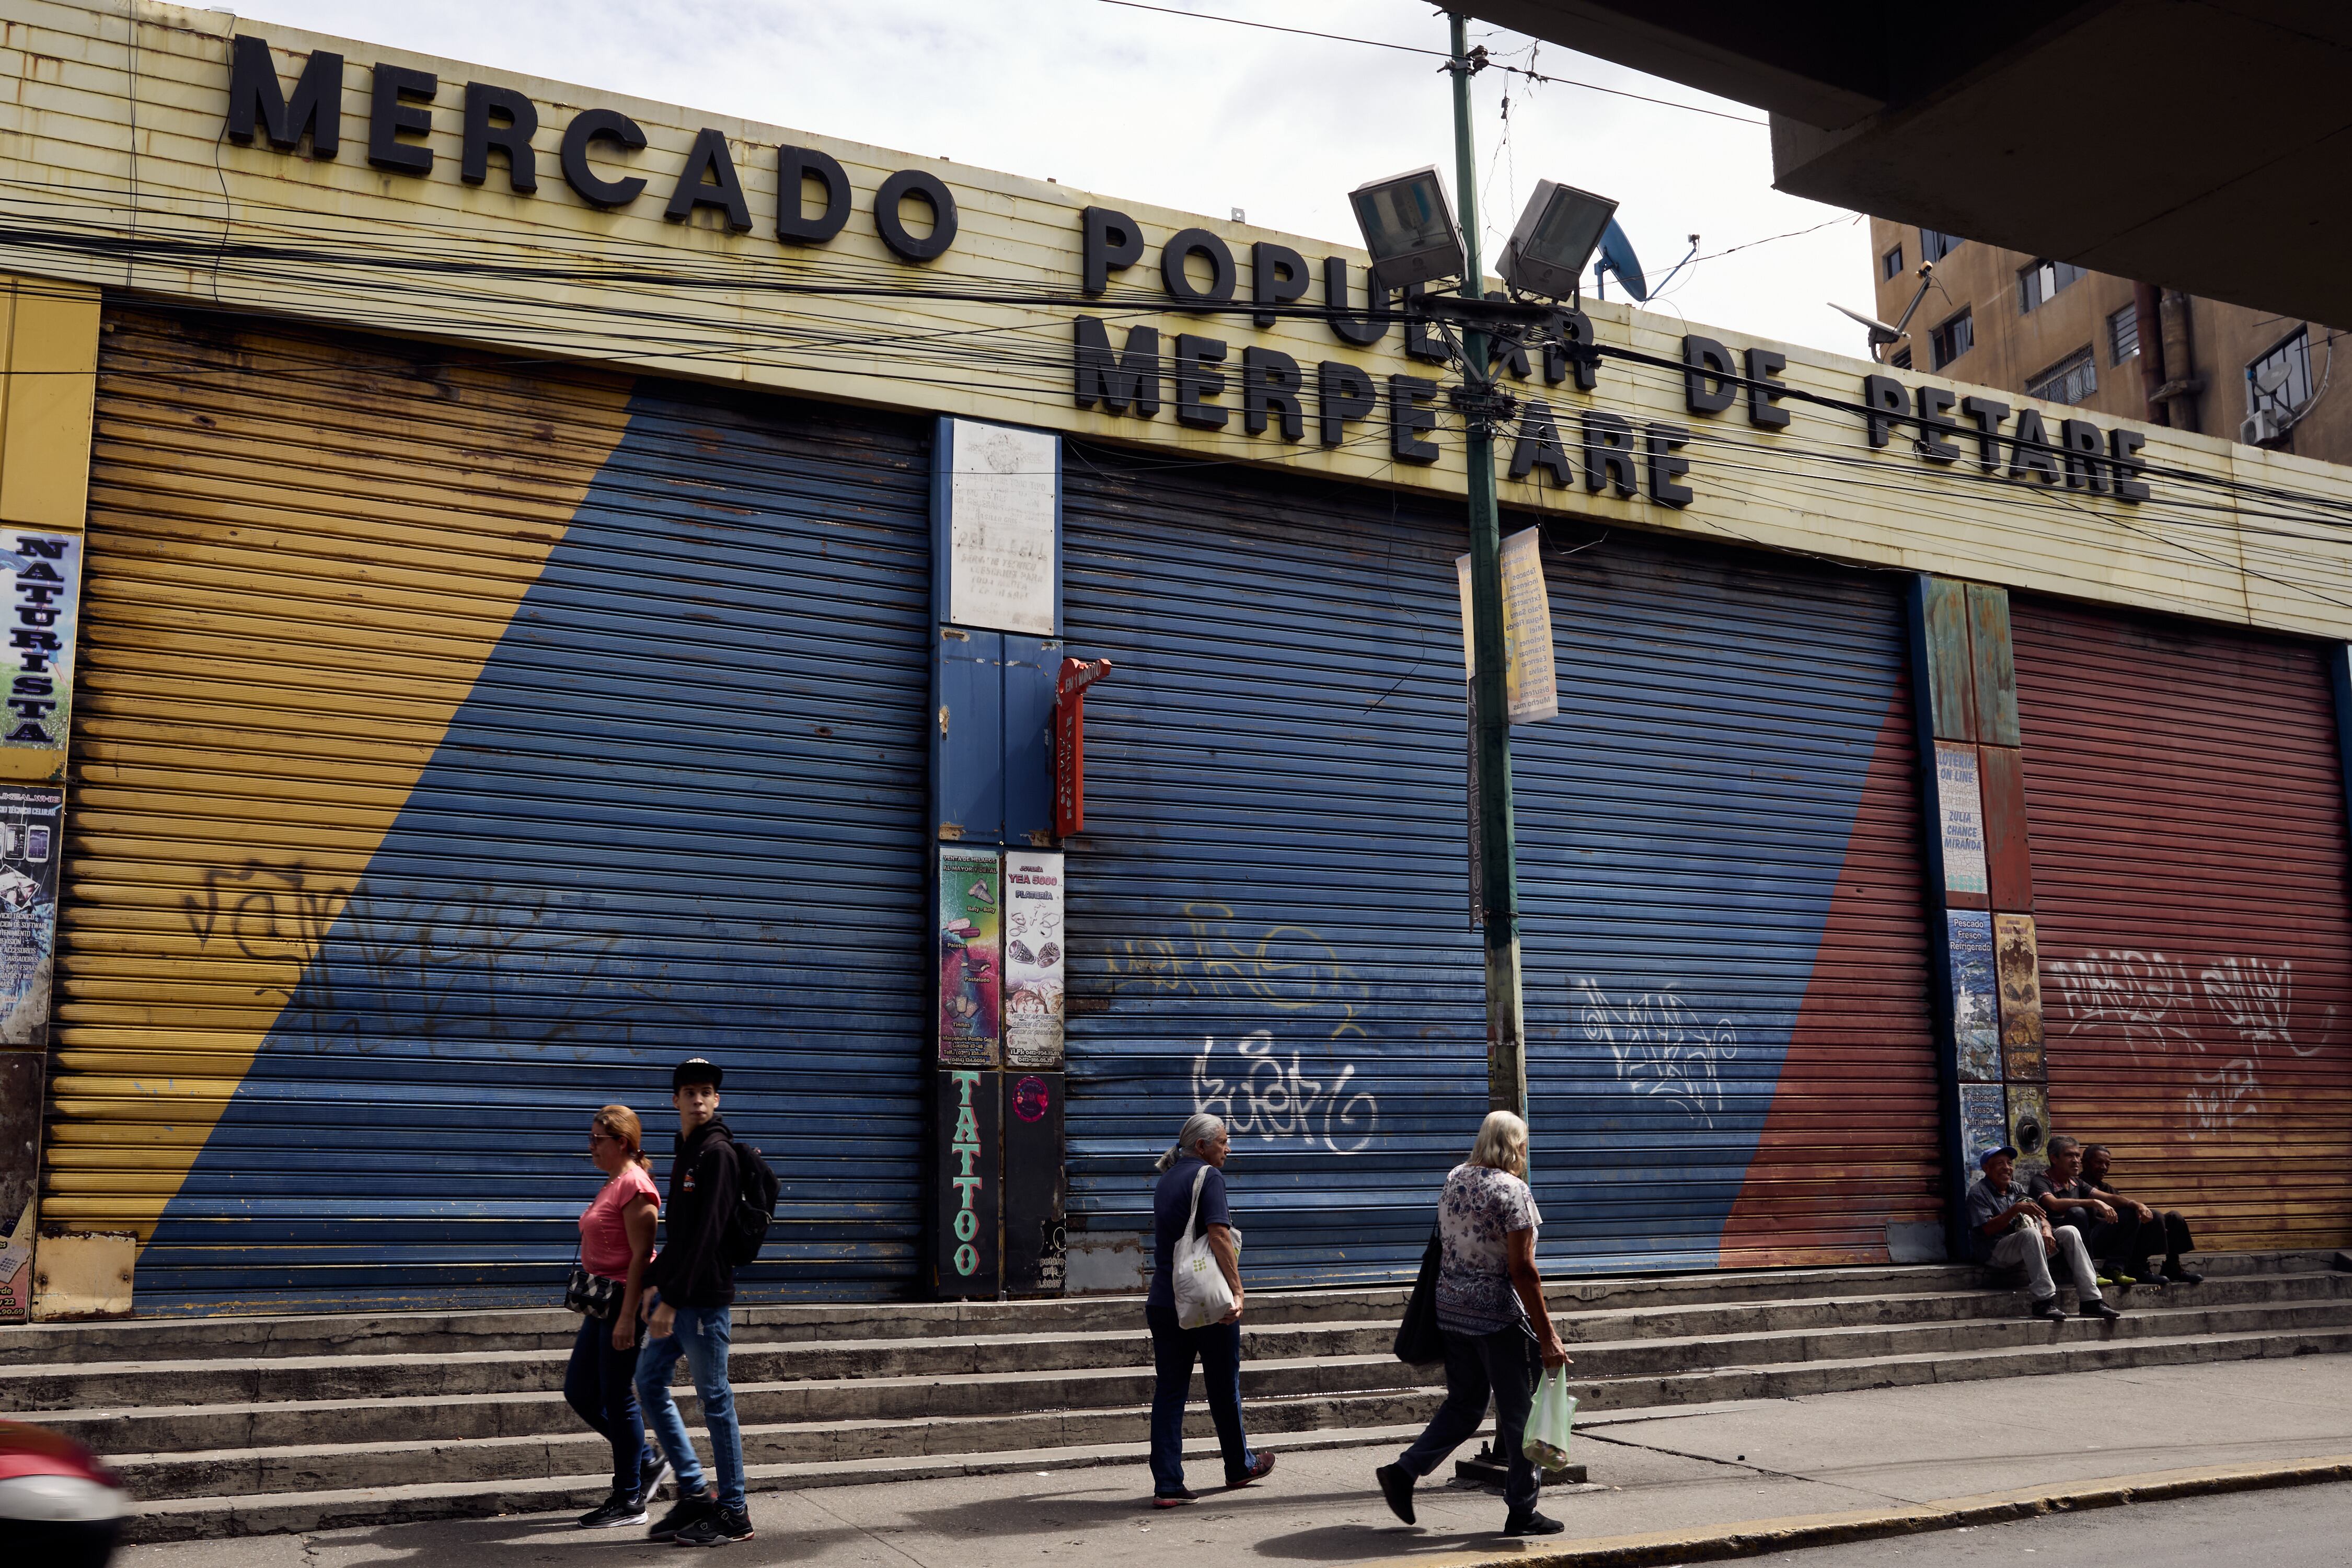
1752, 1538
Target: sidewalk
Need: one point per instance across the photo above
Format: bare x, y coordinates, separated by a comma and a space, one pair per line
1695, 1472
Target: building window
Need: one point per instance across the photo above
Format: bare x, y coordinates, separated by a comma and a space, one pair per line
2279, 382
2071, 380
1935, 245
1891, 263
1900, 359
1953, 339
2123, 334
2040, 282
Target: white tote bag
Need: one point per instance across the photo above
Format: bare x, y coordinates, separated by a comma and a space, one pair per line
1201, 1294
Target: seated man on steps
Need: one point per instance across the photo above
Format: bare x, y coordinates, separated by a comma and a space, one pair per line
2008, 1230
2167, 1230
2111, 1232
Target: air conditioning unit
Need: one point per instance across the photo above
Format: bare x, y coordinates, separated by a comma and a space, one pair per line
2261, 428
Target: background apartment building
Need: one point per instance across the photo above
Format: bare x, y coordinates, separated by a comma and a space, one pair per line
2050, 330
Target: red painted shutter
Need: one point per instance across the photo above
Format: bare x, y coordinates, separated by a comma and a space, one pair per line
2190, 862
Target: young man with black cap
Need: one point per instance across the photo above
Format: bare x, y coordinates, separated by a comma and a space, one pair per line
2007, 1229
689, 1287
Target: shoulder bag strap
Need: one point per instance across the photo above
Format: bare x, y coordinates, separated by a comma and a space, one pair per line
1193, 1220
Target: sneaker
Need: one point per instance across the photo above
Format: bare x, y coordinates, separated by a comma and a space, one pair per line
1261, 1464
1396, 1485
688, 1509
2181, 1275
2047, 1308
2100, 1311
1170, 1499
652, 1469
620, 1508
1532, 1523
716, 1528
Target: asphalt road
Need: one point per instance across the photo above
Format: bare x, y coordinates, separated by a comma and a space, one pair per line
2295, 1527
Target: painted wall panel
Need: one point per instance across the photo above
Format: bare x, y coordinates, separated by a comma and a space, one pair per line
674, 806
2190, 861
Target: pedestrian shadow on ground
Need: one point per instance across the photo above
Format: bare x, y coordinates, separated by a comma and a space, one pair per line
477, 1541
1353, 1543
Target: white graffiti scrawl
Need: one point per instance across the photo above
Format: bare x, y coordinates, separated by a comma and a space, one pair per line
1660, 1048
2230, 1013
1275, 1103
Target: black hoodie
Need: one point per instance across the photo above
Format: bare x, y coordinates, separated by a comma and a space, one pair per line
691, 1269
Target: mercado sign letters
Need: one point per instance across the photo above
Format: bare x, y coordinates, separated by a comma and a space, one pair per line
1194, 377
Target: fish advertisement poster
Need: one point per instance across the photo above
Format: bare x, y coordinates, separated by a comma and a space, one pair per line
1975, 1005
1033, 959
971, 924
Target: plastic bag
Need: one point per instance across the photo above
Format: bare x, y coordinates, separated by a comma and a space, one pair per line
1548, 1420
1203, 1297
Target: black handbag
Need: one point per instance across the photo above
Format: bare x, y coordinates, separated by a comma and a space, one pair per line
1419, 1341
592, 1295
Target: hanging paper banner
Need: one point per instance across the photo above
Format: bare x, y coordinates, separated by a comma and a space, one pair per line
1530, 669
971, 978
1033, 959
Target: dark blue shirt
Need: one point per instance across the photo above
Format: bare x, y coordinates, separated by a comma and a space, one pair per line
1171, 1201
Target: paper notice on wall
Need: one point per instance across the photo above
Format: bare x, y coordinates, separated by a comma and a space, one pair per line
29, 823
15, 1281
971, 954
1033, 944
1959, 800
43, 572
1530, 672
1975, 1005
1000, 523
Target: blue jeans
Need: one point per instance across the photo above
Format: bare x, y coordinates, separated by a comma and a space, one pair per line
1506, 1365
700, 1336
597, 1386
1218, 1347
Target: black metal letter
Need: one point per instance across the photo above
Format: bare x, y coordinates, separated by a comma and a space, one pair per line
610, 125
1114, 381
1764, 410
1107, 241
1538, 445
1342, 393
2086, 446
795, 166
1608, 452
1277, 277
898, 188
1662, 442
2031, 452
1419, 340
1270, 384
2123, 448
1705, 363
393, 111
513, 138
1987, 416
1189, 242
1935, 419
253, 96
709, 181
1195, 384
1409, 420
1885, 396
1363, 331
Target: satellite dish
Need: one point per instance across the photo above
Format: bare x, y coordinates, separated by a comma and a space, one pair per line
1617, 255
1880, 332
2270, 377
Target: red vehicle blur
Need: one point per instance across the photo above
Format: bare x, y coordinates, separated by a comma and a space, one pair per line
60, 1507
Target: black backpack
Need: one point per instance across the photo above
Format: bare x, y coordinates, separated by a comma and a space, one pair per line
755, 1206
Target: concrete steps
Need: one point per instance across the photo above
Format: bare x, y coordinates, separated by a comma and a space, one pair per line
232, 1425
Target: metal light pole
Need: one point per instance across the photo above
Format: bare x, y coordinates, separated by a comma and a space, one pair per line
1507, 1057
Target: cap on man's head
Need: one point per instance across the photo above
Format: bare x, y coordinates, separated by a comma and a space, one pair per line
695, 1069
1989, 1155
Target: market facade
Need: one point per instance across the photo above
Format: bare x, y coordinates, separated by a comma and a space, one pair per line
505, 602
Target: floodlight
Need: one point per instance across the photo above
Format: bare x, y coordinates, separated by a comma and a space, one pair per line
1556, 236
1409, 227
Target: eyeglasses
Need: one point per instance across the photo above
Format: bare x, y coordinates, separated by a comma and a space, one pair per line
601, 1138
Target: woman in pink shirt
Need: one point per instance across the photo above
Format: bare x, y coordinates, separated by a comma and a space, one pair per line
616, 1242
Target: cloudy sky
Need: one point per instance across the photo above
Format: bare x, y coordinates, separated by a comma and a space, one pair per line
1195, 114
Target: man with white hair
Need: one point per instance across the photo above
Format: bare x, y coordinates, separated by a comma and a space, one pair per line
1191, 1192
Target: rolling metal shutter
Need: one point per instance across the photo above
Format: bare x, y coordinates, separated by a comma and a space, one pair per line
1719, 844
1731, 1059
460, 746
2186, 815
